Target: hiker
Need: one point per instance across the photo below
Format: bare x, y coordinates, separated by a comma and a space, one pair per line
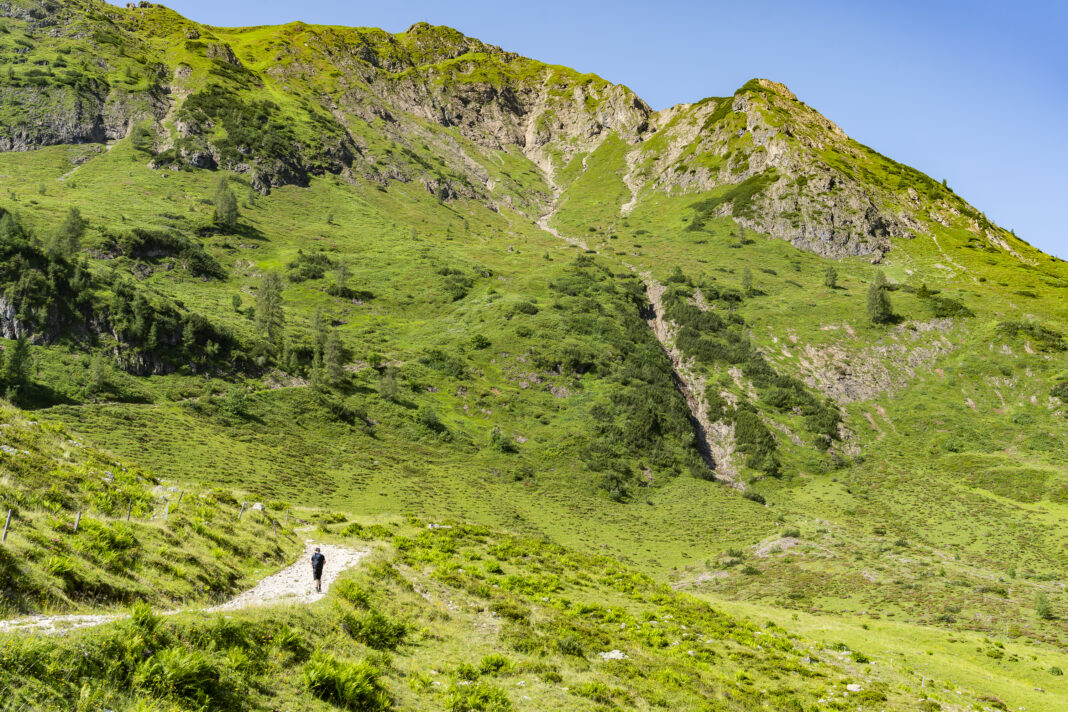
317, 562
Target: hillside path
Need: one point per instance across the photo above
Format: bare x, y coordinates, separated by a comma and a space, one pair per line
292, 584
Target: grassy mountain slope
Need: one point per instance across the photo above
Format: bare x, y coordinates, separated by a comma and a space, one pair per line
413, 189
464, 618
123, 549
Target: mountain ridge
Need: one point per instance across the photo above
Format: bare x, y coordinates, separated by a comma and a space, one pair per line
498, 99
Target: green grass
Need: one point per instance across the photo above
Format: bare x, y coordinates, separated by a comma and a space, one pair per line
531, 634
178, 547
493, 378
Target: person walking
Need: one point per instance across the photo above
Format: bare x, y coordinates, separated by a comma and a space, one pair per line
317, 562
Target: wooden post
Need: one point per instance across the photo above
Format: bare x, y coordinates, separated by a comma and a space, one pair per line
242, 510
129, 508
166, 510
180, 495
287, 517
7, 524
77, 521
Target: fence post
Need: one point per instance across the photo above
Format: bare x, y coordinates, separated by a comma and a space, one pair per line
129, 508
7, 523
180, 495
287, 517
242, 510
166, 510
77, 521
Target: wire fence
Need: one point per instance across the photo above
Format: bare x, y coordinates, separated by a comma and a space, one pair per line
155, 514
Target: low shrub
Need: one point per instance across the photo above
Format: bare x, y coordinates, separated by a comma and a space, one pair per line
494, 663
351, 685
374, 630
349, 590
188, 675
480, 697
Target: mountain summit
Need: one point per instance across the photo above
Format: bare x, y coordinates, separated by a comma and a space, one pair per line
285, 104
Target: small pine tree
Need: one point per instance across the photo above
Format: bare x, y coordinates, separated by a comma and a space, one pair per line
319, 333
830, 278
226, 213
879, 308
747, 281
429, 419
270, 313
1043, 609
189, 339
98, 374
16, 369
333, 359
341, 275
387, 385
65, 242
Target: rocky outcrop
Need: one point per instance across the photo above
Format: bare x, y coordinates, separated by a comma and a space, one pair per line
850, 375
10, 326
54, 115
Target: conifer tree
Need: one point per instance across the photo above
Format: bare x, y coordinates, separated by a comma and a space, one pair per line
341, 276
67, 239
226, 213
270, 314
97, 373
16, 370
333, 359
747, 281
830, 278
879, 309
319, 332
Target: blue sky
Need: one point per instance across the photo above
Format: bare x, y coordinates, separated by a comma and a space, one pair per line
972, 92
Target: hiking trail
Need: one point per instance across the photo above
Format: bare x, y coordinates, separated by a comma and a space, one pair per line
292, 585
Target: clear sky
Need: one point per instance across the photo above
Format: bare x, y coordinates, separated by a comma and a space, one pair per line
974, 92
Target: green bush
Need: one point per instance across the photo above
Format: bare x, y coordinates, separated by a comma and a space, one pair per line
1044, 338
494, 663
351, 685
349, 590
480, 697
374, 630
570, 645
308, 266
191, 676
754, 496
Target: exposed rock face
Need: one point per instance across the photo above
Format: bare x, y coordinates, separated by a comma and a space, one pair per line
848, 375
10, 326
62, 115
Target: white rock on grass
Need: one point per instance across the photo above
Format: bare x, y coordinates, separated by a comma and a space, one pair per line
613, 655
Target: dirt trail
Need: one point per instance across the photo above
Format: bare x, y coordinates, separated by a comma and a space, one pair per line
543, 223
291, 585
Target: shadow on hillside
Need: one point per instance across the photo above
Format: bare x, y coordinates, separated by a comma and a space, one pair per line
38, 396
244, 230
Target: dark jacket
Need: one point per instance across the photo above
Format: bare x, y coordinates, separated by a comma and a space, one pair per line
318, 560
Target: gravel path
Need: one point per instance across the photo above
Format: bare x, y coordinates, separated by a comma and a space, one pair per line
292, 585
